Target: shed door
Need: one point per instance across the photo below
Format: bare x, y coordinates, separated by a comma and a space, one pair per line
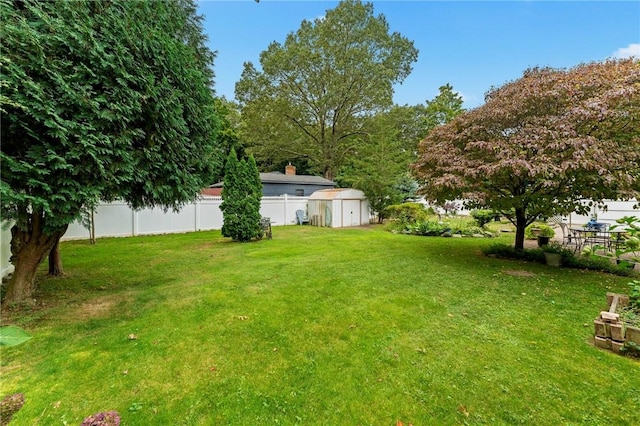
350, 212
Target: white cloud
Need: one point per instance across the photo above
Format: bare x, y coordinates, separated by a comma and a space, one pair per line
626, 52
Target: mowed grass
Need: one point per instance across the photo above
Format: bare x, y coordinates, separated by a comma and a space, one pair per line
316, 327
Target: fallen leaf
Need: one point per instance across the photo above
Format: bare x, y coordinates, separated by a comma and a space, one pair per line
125, 372
463, 410
132, 337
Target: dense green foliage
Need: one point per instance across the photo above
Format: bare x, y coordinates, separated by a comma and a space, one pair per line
389, 146
101, 100
310, 94
536, 229
95, 114
229, 133
439, 111
407, 212
380, 167
482, 217
412, 221
423, 331
241, 195
634, 294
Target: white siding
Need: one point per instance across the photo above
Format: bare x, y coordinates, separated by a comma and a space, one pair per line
615, 210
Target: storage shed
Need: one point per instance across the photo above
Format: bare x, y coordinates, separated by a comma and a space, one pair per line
338, 208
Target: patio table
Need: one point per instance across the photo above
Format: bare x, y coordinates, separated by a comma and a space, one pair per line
586, 236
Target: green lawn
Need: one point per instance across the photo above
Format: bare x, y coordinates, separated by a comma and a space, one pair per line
316, 327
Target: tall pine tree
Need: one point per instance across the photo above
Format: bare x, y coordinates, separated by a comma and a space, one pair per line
241, 197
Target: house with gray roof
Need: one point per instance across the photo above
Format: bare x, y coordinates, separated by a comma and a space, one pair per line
277, 183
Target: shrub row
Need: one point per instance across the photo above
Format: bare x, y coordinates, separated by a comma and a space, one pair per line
569, 259
434, 228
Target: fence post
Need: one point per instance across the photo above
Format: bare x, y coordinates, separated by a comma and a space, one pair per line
134, 218
286, 209
197, 214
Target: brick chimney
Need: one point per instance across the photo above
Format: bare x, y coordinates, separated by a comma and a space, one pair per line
290, 170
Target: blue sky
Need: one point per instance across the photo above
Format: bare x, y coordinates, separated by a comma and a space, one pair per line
472, 45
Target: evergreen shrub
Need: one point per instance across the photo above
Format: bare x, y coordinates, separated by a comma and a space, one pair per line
241, 197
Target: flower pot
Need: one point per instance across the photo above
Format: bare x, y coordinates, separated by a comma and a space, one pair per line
553, 259
543, 241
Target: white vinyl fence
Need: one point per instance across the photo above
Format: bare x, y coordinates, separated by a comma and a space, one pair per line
119, 220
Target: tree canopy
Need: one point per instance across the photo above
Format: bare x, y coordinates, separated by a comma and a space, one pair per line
311, 93
228, 135
101, 100
446, 106
381, 167
542, 144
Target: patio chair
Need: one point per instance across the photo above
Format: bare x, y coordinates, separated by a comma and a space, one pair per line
301, 218
568, 237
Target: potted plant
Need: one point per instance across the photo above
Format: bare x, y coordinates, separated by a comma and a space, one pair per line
553, 254
537, 230
545, 233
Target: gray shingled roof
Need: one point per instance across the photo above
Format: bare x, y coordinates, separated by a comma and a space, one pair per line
303, 179
278, 177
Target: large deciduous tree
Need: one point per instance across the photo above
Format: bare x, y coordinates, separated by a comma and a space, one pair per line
100, 100
542, 144
308, 99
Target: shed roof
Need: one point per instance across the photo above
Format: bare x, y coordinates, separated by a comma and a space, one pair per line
338, 194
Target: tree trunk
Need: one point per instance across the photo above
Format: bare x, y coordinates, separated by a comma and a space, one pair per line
28, 249
521, 224
55, 261
328, 173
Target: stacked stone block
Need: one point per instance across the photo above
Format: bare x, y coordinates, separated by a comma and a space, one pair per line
610, 331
